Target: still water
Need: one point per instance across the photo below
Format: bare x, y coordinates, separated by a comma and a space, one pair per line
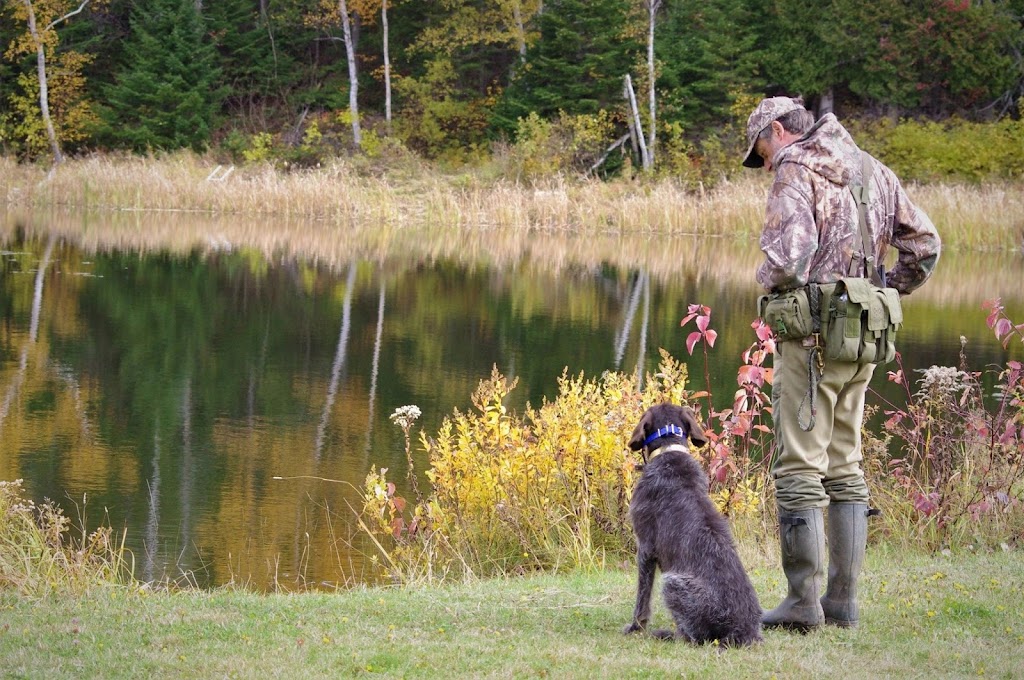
223, 406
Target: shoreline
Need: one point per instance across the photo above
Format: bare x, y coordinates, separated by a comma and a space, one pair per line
344, 195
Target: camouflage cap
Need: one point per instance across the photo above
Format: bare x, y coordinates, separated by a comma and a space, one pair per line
767, 111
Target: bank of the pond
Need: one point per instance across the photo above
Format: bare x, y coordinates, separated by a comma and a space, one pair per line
345, 194
931, 617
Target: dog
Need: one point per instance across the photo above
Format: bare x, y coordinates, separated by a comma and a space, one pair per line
679, 530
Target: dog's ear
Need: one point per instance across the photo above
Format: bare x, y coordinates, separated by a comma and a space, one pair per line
693, 427
636, 442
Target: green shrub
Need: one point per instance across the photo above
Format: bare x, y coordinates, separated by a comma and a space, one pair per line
510, 493
951, 150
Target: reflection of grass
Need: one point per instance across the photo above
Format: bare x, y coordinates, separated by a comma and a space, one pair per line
340, 195
963, 278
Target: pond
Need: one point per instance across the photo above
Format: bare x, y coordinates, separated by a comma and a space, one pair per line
223, 405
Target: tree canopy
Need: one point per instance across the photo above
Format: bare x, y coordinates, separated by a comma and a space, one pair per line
165, 74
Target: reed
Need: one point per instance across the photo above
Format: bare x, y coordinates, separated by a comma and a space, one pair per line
39, 553
349, 193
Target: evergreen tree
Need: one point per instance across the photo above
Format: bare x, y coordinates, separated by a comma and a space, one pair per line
166, 96
257, 71
708, 57
585, 50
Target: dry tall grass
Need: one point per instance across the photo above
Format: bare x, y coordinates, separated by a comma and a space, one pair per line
346, 194
977, 217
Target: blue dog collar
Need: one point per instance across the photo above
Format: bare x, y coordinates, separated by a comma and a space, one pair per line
664, 432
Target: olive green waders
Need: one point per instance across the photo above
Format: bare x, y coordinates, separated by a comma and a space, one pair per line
847, 539
814, 468
802, 538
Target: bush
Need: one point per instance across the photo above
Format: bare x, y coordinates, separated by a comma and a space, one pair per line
551, 488
954, 149
947, 469
545, 490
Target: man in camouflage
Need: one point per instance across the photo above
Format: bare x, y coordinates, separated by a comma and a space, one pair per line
811, 235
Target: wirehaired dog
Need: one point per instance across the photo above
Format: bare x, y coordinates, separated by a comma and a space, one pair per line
679, 530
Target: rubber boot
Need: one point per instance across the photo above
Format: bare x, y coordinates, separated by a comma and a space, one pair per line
802, 536
847, 538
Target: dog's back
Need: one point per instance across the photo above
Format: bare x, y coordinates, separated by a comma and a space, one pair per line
679, 529
704, 584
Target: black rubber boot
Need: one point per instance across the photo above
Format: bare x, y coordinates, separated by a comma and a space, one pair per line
847, 539
802, 537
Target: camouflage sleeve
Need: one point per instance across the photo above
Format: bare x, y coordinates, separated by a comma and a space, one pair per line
789, 237
917, 242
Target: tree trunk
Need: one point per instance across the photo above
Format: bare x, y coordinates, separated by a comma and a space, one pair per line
826, 102
517, 15
645, 159
387, 63
353, 82
652, 6
44, 96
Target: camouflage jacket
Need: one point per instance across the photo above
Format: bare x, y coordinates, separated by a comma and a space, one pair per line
811, 232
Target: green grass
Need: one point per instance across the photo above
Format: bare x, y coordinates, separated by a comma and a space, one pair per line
922, 617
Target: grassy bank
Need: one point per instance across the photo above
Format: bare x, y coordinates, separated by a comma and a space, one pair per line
922, 617
409, 194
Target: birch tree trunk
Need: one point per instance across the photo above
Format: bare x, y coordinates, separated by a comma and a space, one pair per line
353, 87
517, 16
652, 6
645, 159
387, 63
44, 95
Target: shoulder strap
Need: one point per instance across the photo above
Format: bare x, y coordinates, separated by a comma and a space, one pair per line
862, 194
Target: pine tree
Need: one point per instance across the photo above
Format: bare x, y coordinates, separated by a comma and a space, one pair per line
256, 70
166, 97
578, 64
708, 56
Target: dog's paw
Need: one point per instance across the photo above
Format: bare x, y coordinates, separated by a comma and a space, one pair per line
635, 627
663, 634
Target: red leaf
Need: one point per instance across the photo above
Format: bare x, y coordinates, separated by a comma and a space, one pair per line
703, 322
396, 527
691, 340
687, 319
1009, 434
1003, 327
711, 336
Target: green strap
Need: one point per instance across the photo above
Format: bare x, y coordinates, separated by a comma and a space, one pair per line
862, 194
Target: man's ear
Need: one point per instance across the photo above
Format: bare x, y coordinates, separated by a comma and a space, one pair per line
777, 129
636, 442
693, 427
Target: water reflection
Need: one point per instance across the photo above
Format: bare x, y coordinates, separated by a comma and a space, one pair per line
170, 389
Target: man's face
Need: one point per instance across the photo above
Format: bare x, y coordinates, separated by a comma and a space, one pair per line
776, 142
766, 151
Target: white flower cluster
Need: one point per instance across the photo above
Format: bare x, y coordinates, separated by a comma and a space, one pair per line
405, 416
943, 380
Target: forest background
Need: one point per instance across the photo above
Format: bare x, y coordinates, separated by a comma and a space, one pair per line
518, 88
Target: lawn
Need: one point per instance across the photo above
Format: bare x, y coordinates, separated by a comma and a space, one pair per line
922, 616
